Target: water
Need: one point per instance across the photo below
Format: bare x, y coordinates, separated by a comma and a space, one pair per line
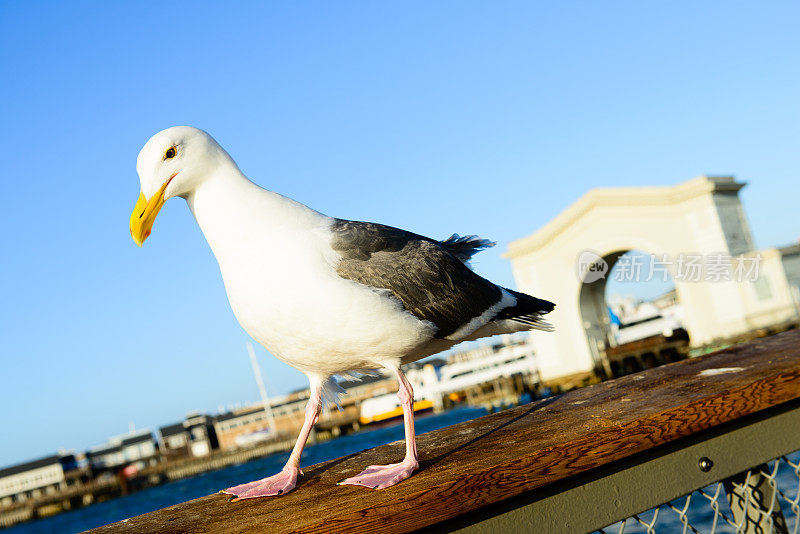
191, 488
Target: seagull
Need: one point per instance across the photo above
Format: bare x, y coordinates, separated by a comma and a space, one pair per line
327, 296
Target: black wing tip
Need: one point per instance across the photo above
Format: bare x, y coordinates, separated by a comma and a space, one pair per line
531, 304
529, 310
546, 305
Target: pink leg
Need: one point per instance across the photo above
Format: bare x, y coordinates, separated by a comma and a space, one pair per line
284, 481
383, 476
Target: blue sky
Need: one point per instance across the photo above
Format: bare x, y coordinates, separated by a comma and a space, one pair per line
441, 117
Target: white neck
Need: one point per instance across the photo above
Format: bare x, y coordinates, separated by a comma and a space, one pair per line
235, 214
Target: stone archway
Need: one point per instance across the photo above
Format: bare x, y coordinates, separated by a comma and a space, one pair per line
700, 217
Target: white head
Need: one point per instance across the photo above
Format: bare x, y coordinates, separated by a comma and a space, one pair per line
172, 163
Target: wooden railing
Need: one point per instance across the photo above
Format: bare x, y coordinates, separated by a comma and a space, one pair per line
522, 466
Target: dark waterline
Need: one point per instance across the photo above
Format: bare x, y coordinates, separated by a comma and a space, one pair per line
191, 488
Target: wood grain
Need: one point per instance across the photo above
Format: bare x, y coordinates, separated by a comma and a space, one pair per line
479, 463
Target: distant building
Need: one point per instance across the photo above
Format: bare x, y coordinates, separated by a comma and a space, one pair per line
231, 426
35, 478
288, 410
106, 457
245, 426
136, 447
174, 440
202, 434
195, 436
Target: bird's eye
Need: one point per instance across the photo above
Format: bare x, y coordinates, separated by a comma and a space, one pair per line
170, 153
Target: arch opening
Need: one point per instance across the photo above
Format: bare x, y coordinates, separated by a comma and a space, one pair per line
632, 315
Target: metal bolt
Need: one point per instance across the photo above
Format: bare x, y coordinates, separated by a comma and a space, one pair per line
705, 464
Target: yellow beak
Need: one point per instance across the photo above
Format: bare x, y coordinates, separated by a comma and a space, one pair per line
144, 214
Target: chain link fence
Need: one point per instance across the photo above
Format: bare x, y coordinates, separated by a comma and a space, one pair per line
763, 500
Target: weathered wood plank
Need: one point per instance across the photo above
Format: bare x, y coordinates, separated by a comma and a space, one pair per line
477, 463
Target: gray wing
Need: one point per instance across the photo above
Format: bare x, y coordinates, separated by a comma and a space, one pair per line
431, 281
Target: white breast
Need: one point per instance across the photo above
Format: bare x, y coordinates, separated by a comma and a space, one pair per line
279, 275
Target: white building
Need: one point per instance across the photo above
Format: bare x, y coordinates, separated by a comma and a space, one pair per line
31, 479
126, 449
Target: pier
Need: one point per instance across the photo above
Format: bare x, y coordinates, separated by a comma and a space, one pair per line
573, 463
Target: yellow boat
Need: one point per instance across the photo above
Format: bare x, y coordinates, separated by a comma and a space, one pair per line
387, 407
